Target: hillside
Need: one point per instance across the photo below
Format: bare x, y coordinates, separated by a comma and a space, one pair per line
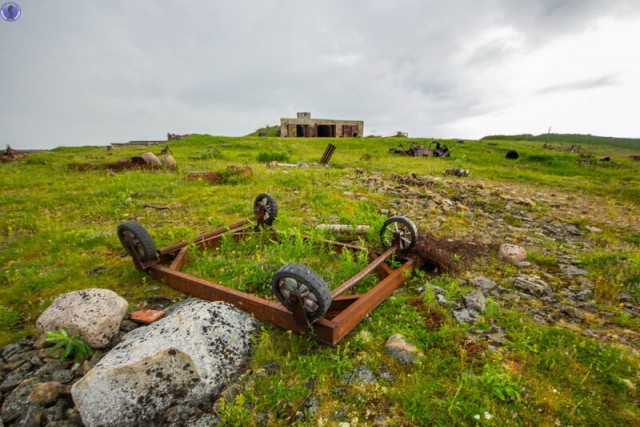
632, 144
551, 341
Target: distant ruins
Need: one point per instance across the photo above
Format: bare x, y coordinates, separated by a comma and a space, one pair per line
305, 127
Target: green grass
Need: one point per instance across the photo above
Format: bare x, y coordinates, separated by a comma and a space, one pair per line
58, 231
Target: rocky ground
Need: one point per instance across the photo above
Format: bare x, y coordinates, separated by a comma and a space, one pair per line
560, 293
35, 385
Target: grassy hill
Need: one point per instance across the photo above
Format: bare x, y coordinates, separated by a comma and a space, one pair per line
631, 144
579, 365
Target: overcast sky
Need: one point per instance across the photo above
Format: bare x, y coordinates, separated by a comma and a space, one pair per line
93, 73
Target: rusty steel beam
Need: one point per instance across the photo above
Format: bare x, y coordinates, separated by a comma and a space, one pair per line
364, 273
328, 152
352, 315
222, 230
323, 330
181, 259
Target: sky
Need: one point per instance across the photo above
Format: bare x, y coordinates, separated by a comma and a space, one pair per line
93, 73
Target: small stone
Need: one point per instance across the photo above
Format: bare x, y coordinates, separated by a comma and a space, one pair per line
441, 299
585, 295
512, 253
573, 312
482, 282
53, 416
361, 374
594, 230
10, 351
16, 377
384, 373
531, 285
401, 350
571, 271
498, 338
475, 301
311, 406
15, 405
45, 393
63, 376
128, 326
465, 316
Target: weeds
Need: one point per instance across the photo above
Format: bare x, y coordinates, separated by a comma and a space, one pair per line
73, 346
58, 228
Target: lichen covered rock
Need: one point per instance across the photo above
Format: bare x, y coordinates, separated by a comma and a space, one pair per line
93, 313
188, 356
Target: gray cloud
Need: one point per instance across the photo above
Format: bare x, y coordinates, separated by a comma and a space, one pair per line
587, 84
95, 73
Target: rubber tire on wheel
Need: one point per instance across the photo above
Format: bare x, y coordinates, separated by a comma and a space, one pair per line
132, 232
406, 228
270, 207
298, 276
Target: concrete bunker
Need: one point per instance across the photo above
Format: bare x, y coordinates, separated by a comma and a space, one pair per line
303, 126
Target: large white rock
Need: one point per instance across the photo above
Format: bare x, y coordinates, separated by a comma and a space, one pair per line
187, 356
95, 314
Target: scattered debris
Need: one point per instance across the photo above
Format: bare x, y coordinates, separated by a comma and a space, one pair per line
10, 154
276, 164
457, 172
174, 137
440, 150
328, 153
512, 155
345, 228
215, 178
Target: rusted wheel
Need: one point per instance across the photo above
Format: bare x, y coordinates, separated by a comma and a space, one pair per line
268, 202
299, 279
137, 241
402, 228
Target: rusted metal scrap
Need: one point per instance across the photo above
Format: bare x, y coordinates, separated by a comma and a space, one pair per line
440, 150
457, 172
306, 304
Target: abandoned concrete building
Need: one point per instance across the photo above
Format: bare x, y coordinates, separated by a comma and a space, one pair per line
305, 127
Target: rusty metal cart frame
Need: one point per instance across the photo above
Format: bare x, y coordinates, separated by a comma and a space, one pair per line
332, 324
